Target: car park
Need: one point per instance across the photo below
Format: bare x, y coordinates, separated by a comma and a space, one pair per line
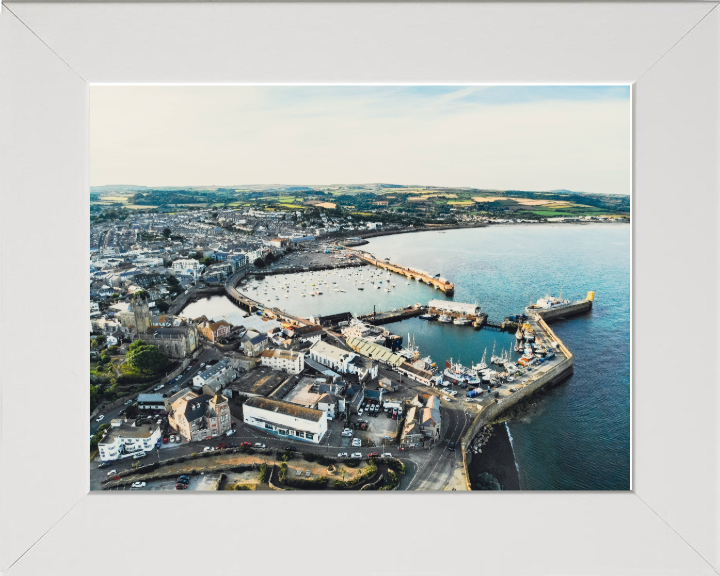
138, 484
343, 455
356, 455
259, 445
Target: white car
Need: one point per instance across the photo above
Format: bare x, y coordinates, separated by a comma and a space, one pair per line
99, 418
357, 442
360, 412
128, 402
112, 473
447, 398
343, 455
138, 485
386, 455
139, 455
356, 455
208, 449
172, 438
229, 432
347, 433
453, 393
259, 445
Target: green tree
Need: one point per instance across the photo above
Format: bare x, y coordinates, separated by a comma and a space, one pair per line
259, 263
167, 232
142, 294
172, 281
146, 357
162, 305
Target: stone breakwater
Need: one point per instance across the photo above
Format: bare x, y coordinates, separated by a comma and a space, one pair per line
489, 412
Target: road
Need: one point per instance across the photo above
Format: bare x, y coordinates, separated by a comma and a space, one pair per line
185, 380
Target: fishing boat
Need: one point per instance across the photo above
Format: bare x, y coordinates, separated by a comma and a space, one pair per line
361, 288
445, 318
428, 317
387, 290
461, 321
494, 359
519, 333
318, 293
482, 366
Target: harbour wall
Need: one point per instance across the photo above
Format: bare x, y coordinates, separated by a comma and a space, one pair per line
487, 414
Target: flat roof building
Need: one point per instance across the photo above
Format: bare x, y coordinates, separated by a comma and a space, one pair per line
285, 419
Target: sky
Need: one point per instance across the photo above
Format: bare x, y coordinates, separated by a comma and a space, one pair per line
492, 137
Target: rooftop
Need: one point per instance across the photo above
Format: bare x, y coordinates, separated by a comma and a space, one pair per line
285, 408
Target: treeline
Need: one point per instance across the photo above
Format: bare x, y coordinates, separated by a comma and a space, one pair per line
612, 203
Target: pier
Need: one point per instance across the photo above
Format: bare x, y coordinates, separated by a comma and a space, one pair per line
377, 318
442, 284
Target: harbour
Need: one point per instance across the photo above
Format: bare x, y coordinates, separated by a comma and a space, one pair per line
558, 414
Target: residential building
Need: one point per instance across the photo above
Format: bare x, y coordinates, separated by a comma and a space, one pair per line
342, 361
200, 417
285, 419
123, 440
188, 267
286, 360
151, 402
214, 331
253, 344
220, 373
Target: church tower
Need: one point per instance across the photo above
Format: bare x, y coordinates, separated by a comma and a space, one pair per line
141, 309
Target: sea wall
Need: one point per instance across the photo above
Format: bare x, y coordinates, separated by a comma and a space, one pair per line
487, 414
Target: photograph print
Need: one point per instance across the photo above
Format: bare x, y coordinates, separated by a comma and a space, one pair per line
360, 287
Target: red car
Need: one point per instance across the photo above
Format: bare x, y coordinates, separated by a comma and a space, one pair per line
180, 486
246, 444
165, 440
373, 455
220, 446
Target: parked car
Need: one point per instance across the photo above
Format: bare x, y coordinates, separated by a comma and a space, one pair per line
290, 449
220, 446
104, 464
229, 432
451, 446
128, 402
347, 432
180, 486
246, 444
360, 412
208, 449
99, 418
138, 484
386, 455
165, 440
357, 442
373, 455
447, 398
112, 472
184, 479
343, 455
139, 455
178, 438
259, 445
356, 455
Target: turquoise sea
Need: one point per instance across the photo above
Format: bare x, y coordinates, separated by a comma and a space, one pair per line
578, 434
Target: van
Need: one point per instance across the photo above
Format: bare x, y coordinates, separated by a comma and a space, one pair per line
139, 455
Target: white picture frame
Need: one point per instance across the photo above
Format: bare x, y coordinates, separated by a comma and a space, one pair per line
51, 52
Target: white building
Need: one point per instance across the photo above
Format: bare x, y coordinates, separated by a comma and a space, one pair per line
286, 360
94, 309
343, 361
127, 439
190, 267
221, 373
332, 357
285, 419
